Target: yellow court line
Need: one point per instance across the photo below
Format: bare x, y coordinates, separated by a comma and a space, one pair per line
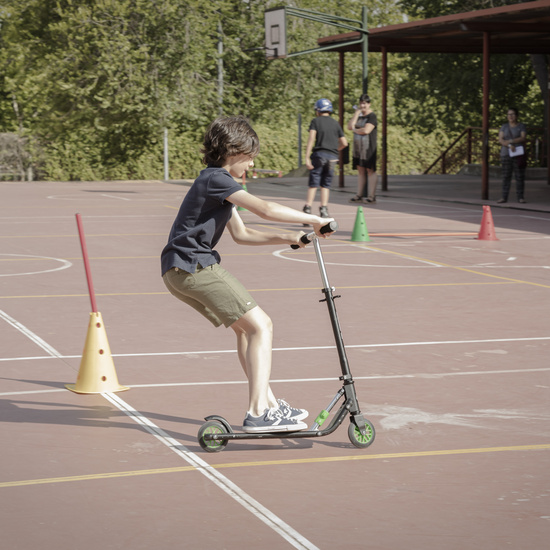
456, 267
384, 286
265, 290
155, 471
36, 258
75, 236
76, 259
408, 256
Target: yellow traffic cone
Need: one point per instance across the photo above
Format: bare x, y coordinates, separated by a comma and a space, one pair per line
360, 231
97, 370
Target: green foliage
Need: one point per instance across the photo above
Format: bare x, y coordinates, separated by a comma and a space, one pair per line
91, 84
411, 152
444, 91
423, 9
279, 149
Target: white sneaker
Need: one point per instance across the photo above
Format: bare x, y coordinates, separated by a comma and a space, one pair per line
271, 421
291, 412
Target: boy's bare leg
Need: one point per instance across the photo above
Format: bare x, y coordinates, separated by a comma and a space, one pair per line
325, 192
254, 332
242, 347
310, 197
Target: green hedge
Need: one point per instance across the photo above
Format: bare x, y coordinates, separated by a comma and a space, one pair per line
79, 158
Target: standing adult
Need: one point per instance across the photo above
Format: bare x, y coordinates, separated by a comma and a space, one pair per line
326, 138
512, 137
364, 124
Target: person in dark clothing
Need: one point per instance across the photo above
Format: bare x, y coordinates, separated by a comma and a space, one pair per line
326, 138
364, 124
512, 136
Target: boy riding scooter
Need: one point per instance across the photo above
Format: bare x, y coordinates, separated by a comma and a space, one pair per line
191, 270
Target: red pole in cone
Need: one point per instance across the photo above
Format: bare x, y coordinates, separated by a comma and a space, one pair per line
86, 262
487, 229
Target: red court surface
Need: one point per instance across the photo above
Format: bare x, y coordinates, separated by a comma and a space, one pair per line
447, 336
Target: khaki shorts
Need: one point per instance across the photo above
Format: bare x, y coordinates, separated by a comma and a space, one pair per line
212, 291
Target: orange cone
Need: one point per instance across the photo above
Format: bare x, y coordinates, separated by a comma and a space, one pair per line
487, 229
97, 370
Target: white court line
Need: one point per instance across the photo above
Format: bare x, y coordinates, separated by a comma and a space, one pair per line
427, 264
25, 219
421, 375
30, 335
282, 255
531, 217
300, 348
97, 196
234, 491
115, 197
65, 264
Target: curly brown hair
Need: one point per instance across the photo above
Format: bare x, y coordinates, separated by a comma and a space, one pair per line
227, 137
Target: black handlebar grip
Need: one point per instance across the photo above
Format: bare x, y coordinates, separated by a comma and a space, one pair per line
304, 238
328, 228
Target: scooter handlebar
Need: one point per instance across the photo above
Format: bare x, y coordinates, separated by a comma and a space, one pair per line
306, 239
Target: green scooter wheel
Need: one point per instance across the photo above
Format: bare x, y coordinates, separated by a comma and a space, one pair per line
212, 445
357, 438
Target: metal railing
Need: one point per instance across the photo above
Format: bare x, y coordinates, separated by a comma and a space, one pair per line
467, 148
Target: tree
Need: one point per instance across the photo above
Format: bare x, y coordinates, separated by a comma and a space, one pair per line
100, 79
446, 91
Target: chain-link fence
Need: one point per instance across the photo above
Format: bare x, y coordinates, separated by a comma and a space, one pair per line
15, 162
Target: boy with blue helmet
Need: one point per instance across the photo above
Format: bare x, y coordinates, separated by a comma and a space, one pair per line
323, 106
326, 138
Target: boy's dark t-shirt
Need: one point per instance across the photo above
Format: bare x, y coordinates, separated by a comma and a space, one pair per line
200, 222
328, 132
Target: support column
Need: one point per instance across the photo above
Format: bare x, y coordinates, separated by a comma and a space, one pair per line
485, 132
365, 52
341, 110
384, 162
546, 134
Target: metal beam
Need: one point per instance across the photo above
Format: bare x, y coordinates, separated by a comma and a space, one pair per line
384, 119
486, 90
508, 27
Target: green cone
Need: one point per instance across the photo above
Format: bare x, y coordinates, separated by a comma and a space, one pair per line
360, 232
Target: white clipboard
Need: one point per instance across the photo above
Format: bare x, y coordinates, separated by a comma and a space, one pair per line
519, 151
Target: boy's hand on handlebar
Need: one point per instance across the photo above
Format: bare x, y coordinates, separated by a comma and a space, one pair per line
298, 243
325, 229
317, 228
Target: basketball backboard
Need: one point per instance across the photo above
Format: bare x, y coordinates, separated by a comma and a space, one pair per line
275, 33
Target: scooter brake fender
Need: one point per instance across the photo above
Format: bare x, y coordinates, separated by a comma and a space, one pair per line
359, 421
222, 420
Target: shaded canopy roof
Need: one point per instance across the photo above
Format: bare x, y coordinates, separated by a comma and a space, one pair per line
519, 28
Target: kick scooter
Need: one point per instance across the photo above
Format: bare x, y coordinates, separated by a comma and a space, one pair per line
216, 432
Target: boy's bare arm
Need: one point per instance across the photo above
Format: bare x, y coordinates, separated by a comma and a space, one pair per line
342, 143
276, 212
242, 234
309, 147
